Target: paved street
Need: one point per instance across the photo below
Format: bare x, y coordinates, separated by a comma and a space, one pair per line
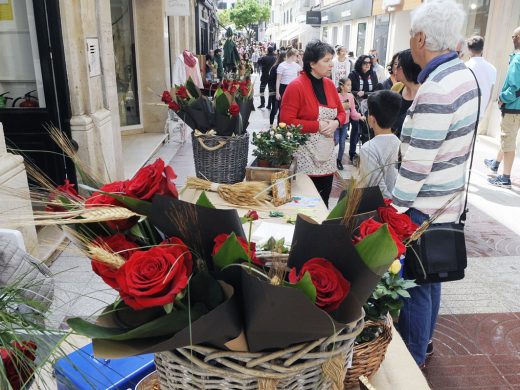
477, 342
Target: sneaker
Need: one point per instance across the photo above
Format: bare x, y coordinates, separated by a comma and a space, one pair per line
429, 349
339, 164
261, 106
355, 160
492, 164
500, 181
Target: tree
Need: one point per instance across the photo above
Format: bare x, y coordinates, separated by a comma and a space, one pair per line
224, 17
249, 12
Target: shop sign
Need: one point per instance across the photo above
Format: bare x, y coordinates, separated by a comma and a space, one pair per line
354, 9
177, 8
313, 17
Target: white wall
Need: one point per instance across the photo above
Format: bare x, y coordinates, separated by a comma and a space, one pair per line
399, 33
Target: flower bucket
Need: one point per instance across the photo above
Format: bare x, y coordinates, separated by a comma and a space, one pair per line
316, 365
220, 159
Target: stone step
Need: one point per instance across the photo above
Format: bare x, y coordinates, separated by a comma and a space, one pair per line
51, 241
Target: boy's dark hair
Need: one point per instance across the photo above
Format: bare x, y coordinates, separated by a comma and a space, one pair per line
410, 69
384, 106
315, 51
476, 44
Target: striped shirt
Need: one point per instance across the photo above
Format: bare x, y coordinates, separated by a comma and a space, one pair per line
436, 141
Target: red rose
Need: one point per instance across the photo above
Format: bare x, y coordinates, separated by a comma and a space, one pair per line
244, 90
17, 368
182, 93
166, 97
234, 109
155, 277
369, 226
233, 88
252, 215
116, 244
400, 223
331, 286
66, 190
251, 250
174, 106
153, 179
98, 199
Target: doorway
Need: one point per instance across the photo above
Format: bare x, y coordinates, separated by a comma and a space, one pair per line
34, 86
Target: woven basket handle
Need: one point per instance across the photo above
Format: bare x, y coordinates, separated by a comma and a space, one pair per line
220, 145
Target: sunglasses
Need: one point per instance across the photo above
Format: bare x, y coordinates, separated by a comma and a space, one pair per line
367, 62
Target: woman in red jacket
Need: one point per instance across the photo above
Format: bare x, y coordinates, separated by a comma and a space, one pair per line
311, 100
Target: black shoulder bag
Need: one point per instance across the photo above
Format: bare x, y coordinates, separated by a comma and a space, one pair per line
439, 255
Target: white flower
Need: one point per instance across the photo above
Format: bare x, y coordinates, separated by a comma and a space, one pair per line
289, 134
278, 136
271, 132
274, 127
258, 136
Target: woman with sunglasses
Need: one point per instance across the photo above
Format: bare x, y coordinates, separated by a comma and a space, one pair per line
364, 81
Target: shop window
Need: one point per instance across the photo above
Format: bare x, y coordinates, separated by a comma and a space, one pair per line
21, 84
324, 34
381, 37
346, 36
477, 15
361, 37
335, 35
125, 61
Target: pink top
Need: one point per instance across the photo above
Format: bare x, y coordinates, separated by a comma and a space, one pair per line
351, 112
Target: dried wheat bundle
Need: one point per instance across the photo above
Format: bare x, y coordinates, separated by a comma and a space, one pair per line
248, 193
90, 215
105, 256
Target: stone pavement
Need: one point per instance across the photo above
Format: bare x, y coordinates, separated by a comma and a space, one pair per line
477, 340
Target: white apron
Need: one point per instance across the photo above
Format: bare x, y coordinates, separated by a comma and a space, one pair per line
316, 157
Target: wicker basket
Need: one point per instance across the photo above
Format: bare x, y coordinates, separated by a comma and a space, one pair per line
220, 159
310, 366
368, 356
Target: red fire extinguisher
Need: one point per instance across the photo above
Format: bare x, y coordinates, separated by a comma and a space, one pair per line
29, 101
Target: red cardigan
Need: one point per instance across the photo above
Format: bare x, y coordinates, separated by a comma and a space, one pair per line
300, 104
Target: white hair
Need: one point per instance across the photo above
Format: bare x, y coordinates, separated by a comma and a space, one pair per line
441, 22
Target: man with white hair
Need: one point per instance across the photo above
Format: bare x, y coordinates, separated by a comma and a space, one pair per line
436, 140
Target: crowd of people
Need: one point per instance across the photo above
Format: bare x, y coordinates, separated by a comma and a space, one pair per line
412, 122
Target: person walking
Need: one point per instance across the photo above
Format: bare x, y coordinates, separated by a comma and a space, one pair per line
286, 72
376, 66
254, 58
265, 63
509, 102
340, 66
271, 103
312, 101
436, 142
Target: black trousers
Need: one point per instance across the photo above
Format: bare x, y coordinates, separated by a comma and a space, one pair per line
324, 186
263, 84
277, 105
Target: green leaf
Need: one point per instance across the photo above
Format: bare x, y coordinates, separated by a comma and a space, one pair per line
306, 286
137, 231
378, 249
204, 201
192, 88
162, 326
222, 103
230, 252
168, 308
404, 293
339, 210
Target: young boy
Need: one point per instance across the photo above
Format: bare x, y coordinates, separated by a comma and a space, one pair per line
378, 157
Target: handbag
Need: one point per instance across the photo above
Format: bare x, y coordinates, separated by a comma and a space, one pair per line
439, 254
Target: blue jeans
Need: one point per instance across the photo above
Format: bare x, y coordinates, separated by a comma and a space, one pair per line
354, 138
419, 313
340, 136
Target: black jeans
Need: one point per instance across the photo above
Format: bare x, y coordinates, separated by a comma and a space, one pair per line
324, 186
263, 84
277, 105
354, 138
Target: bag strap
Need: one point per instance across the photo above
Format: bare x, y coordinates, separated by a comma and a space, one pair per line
462, 218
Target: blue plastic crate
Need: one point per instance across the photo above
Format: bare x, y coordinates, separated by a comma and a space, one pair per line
82, 371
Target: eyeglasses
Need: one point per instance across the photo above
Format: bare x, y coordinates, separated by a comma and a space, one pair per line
367, 62
515, 36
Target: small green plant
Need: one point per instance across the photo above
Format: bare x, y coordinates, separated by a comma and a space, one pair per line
279, 143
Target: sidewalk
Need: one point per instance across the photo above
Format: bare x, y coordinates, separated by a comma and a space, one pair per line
477, 341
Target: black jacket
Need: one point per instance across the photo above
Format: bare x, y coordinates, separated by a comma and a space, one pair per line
354, 77
266, 63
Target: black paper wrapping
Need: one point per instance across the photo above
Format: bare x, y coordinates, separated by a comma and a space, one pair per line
196, 225
226, 125
225, 316
332, 242
246, 106
202, 114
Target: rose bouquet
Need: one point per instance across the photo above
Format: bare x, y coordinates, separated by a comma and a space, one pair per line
226, 115
278, 145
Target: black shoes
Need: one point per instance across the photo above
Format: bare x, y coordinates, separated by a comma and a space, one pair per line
261, 106
429, 349
339, 164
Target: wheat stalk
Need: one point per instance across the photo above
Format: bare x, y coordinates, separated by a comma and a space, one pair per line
249, 193
105, 256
